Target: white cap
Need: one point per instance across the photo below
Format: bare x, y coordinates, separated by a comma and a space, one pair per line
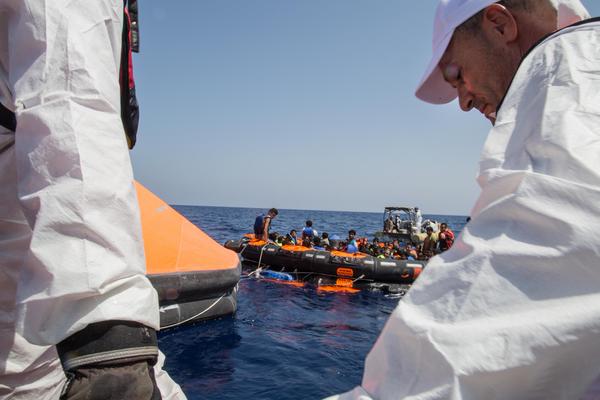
452, 13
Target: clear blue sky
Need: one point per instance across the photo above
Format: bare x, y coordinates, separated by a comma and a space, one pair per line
304, 104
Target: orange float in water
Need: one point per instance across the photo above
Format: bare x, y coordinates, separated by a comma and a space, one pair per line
338, 289
195, 277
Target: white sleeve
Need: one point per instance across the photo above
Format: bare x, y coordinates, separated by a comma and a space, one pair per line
512, 311
85, 262
169, 389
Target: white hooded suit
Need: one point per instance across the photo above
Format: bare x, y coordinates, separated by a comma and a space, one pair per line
71, 250
512, 311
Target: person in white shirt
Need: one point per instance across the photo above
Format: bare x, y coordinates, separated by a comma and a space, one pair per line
418, 219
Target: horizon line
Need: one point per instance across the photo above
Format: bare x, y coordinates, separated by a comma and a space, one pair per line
307, 209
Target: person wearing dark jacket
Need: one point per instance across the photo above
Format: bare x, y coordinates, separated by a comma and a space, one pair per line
262, 223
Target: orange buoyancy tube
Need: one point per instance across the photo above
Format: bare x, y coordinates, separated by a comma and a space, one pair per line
288, 247
257, 242
293, 247
173, 244
348, 255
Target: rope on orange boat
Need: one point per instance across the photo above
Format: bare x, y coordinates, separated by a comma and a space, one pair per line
258, 268
261, 253
195, 316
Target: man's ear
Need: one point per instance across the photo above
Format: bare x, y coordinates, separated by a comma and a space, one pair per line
498, 20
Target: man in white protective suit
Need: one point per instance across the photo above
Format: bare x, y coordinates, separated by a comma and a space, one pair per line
512, 310
72, 268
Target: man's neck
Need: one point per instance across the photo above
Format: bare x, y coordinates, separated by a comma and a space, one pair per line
534, 26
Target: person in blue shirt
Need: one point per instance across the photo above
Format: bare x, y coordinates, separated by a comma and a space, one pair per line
309, 231
262, 223
352, 246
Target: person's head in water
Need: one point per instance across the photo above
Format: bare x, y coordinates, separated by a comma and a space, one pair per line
484, 52
309, 223
273, 212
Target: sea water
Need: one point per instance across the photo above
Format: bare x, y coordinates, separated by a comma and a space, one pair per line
284, 342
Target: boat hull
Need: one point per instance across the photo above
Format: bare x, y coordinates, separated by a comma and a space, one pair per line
194, 276
334, 264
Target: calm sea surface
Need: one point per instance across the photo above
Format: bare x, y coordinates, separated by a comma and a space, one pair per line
283, 342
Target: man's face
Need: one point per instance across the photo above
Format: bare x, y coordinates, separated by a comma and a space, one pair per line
443, 227
480, 67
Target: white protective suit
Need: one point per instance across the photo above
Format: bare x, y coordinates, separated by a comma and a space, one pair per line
512, 311
71, 250
418, 220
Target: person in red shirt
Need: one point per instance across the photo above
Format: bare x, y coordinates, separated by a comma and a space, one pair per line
445, 237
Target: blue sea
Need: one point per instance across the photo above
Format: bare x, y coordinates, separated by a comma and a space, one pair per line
284, 342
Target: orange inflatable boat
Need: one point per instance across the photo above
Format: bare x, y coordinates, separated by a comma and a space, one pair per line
357, 267
195, 277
